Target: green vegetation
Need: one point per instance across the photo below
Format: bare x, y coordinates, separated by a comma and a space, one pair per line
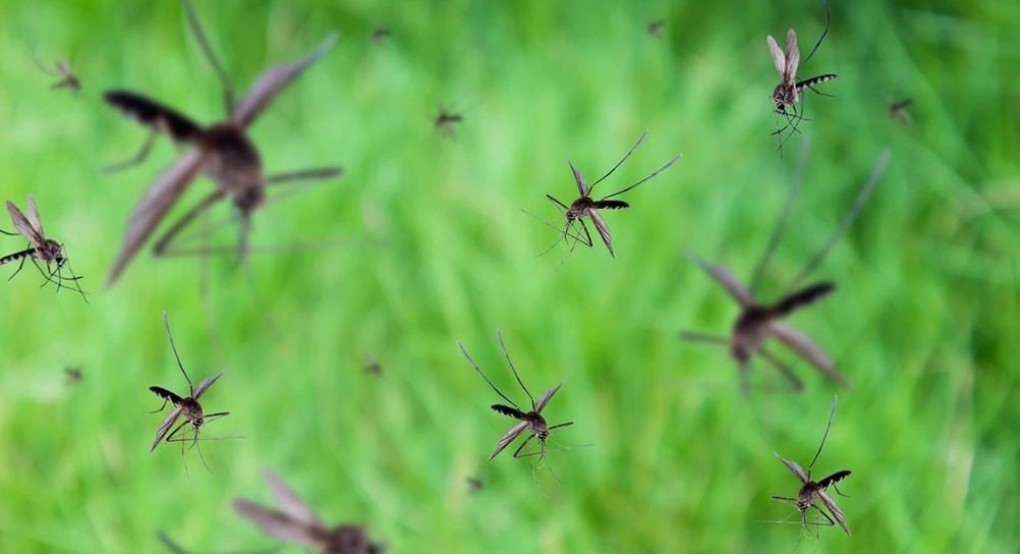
423, 244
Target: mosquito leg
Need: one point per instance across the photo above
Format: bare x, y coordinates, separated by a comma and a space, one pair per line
795, 382
16, 271
164, 241
839, 492
517, 453
703, 338
557, 202
305, 175
137, 158
169, 438
161, 407
587, 236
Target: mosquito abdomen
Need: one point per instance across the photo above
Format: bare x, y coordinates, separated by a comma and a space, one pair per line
154, 115
801, 298
611, 204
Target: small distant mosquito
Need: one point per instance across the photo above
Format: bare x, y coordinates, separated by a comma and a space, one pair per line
73, 374
758, 321
811, 491
188, 407
531, 421
223, 151
655, 27
381, 35
295, 523
372, 365
40, 248
899, 110
586, 206
61, 69
475, 485
445, 121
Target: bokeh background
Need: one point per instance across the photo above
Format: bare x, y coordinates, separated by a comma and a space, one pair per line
423, 243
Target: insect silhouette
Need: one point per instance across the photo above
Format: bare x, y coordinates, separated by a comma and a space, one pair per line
586, 206
61, 69
381, 35
74, 374
189, 408
445, 121
295, 523
655, 27
40, 249
760, 321
372, 365
899, 110
531, 421
811, 491
475, 485
222, 151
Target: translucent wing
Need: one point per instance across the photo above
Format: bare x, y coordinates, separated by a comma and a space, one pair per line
272, 82
728, 281
33, 216
22, 224
777, 56
279, 526
546, 397
206, 383
290, 502
582, 185
154, 206
837, 514
603, 229
509, 437
165, 426
792, 58
807, 349
793, 467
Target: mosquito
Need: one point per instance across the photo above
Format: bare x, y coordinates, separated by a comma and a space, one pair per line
73, 374
40, 249
899, 110
655, 27
188, 407
586, 206
531, 421
475, 485
372, 365
295, 523
760, 321
381, 35
810, 491
445, 121
61, 69
222, 151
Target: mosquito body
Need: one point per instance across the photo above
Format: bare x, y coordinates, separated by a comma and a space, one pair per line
74, 374
475, 485
223, 152
381, 35
531, 421
760, 321
67, 80
813, 491
588, 207
295, 523
787, 92
445, 121
187, 408
654, 28
40, 248
899, 110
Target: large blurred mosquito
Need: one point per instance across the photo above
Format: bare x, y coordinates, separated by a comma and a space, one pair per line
811, 491
531, 421
760, 321
787, 93
222, 151
586, 206
40, 249
188, 407
295, 523
63, 70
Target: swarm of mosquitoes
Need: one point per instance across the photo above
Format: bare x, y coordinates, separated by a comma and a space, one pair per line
225, 154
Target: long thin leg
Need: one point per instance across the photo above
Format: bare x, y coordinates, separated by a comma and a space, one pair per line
795, 381
499, 336
832, 415
517, 453
828, 20
161, 407
137, 158
305, 175
169, 335
17, 271
479, 370
619, 163
228, 88
704, 338
164, 241
784, 217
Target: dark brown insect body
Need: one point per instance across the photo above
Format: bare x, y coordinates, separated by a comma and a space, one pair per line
63, 70
586, 206
40, 249
899, 110
295, 523
655, 27
222, 151
531, 421
811, 491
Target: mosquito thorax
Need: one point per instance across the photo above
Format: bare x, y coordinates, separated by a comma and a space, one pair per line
235, 165
52, 251
784, 96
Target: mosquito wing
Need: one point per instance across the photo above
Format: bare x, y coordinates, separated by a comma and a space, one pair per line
728, 281
807, 349
509, 437
794, 468
154, 206
546, 397
290, 503
280, 526
33, 216
792, 58
603, 229
272, 82
24, 226
165, 426
778, 58
582, 185
837, 514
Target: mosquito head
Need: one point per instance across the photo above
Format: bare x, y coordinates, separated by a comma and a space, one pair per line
250, 199
51, 251
784, 96
351, 538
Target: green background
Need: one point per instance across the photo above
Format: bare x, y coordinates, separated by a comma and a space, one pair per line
423, 244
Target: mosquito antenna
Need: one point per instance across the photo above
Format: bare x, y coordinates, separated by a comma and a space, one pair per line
499, 335
784, 218
832, 415
855, 210
479, 370
619, 163
828, 20
166, 322
657, 171
196, 27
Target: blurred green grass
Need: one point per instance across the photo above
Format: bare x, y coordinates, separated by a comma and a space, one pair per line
429, 248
